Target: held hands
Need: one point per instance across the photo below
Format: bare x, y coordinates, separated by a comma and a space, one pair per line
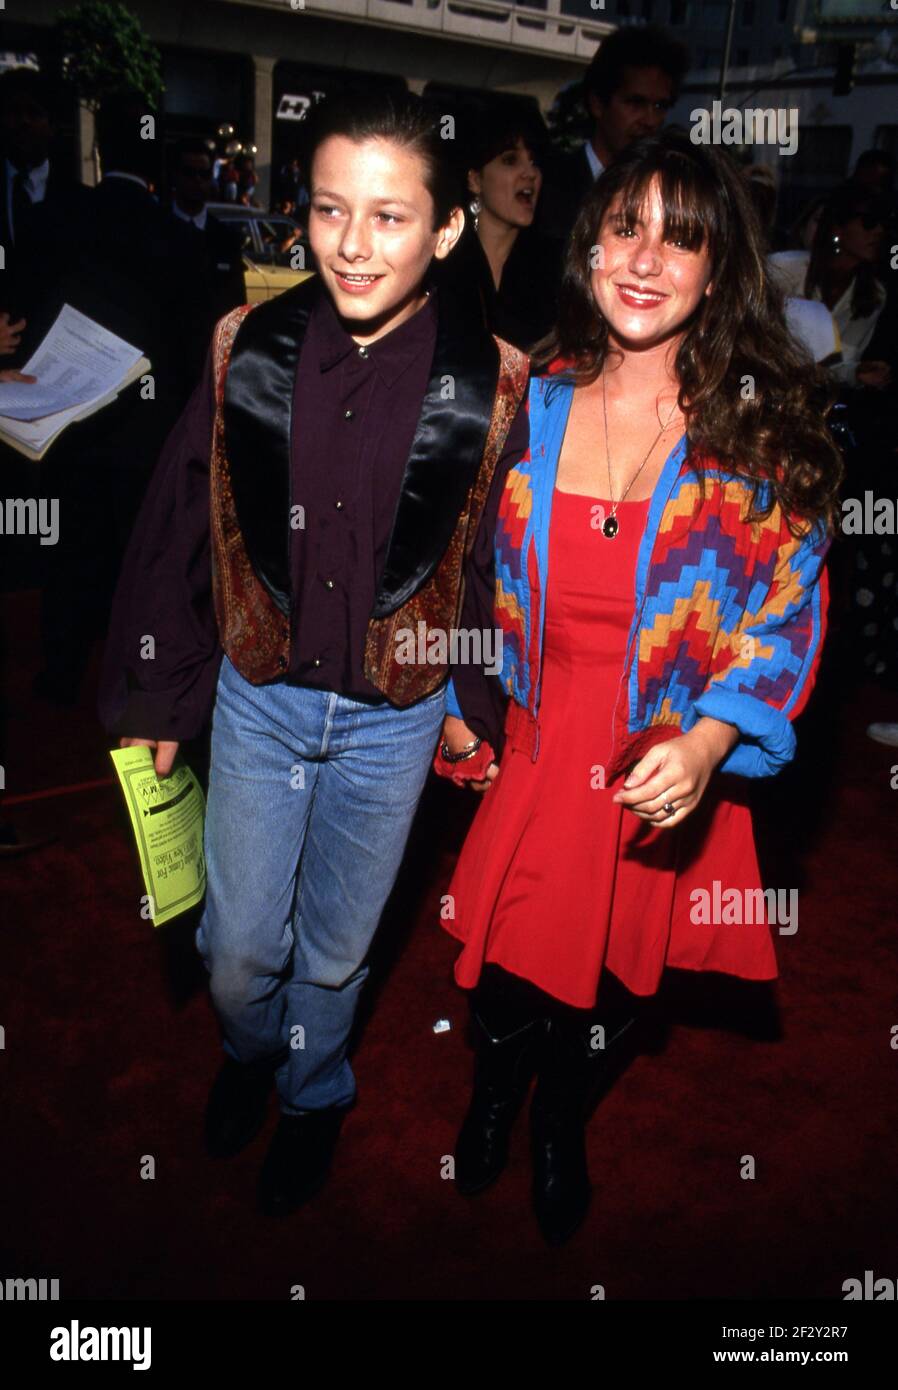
457, 735
676, 773
165, 752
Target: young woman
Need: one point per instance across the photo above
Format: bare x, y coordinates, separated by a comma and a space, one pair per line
316, 501
840, 271
500, 256
658, 584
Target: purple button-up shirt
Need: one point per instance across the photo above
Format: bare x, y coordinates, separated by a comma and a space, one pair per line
355, 413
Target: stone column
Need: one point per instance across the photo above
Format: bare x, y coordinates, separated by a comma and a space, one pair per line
263, 118
87, 160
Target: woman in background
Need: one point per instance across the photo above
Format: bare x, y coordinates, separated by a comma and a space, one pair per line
501, 256
840, 271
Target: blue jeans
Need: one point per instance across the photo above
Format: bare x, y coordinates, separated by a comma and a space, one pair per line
311, 798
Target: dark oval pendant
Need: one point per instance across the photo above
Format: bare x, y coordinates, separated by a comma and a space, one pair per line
609, 527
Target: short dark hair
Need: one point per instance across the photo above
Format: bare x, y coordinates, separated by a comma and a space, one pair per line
649, 46
30, 83
843, 205
191, 145
384, 115
875, 159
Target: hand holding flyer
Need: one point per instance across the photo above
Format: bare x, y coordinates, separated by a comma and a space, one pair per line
167, 818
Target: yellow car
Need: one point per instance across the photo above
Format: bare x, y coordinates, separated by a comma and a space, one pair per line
275, 249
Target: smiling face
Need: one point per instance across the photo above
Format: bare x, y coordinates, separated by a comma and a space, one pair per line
647, 283
371, 231
508, 186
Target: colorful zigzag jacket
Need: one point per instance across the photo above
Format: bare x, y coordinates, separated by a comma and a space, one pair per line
728, 617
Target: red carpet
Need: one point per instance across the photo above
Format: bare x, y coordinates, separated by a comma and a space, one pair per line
110, 1046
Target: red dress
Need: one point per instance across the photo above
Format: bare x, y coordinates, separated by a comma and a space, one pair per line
555, 880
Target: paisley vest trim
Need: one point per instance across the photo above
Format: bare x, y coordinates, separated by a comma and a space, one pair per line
447, 478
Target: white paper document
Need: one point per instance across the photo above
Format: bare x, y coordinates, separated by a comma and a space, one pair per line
78, 364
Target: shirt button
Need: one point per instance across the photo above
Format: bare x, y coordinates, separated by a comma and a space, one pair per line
363, 352
317, 661
328, 583
348, 414
339, 506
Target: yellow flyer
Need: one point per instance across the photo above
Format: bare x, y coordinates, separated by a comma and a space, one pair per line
167, 819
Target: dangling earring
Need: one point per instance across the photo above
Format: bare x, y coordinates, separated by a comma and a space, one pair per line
476, 207
837, 245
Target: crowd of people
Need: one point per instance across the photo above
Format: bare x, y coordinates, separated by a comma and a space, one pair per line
234, 179
159, 274
597, 317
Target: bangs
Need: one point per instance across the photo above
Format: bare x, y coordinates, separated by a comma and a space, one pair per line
690, 202
497, 141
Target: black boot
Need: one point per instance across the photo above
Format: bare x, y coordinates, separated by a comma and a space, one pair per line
237, 1106
298, 1162
507, 1022
572, 1068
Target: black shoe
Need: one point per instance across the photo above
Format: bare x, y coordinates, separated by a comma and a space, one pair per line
503, 1071
299, 1159
561, 1186
13, 844
237, 1106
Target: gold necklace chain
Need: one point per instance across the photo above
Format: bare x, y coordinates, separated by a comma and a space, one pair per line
611, 525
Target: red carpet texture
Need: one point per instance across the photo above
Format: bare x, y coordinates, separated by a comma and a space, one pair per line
110, 1046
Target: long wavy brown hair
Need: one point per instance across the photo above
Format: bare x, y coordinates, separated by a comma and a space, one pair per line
778, 435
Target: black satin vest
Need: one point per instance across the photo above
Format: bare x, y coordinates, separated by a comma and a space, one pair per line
442, 465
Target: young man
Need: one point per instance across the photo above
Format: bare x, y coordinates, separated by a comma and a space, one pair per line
319, 498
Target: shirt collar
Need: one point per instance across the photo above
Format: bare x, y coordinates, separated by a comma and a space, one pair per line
595, 163
198, 221
391, 355
35, 179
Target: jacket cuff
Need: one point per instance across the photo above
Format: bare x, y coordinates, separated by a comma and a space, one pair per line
452, 705
767, 739
149, 714
469, 770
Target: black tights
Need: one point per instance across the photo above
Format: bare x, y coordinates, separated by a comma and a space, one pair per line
506, 1002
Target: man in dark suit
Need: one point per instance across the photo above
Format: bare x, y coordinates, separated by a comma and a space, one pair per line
219, 285
43, 213
134, 278
632, 82
42, 224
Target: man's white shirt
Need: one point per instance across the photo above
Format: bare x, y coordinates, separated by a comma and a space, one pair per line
595, 164
35, 184
199, 221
